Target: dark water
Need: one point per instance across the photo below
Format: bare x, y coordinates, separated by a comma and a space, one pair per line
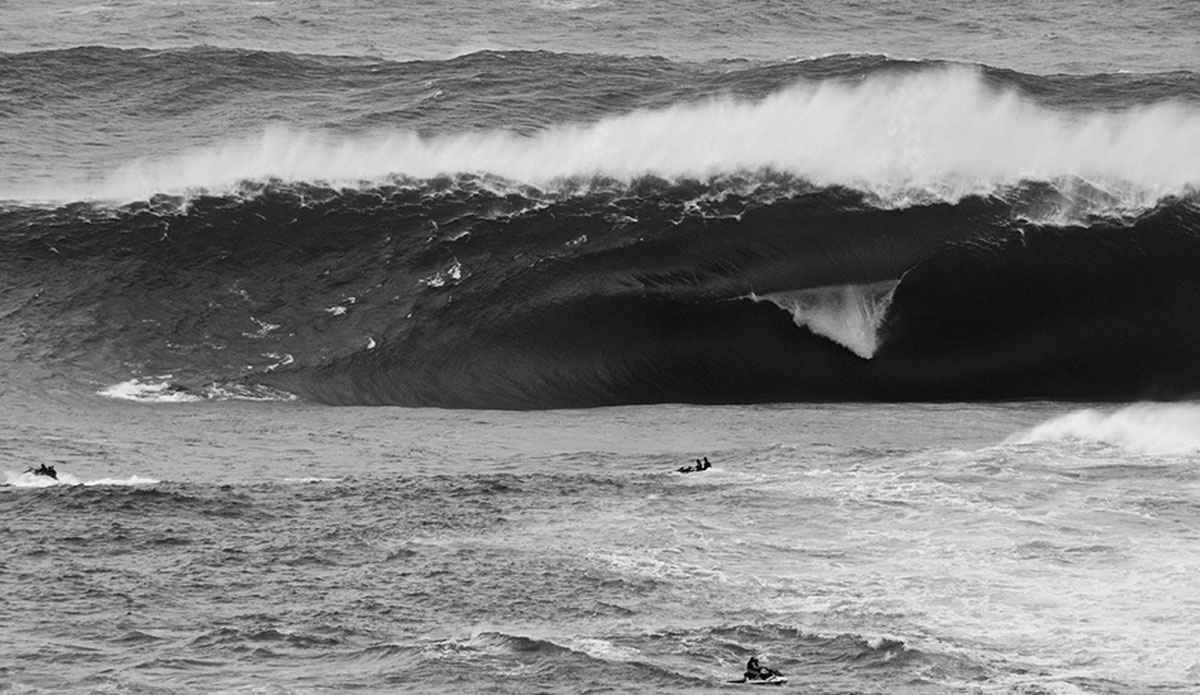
890, 258
449, 294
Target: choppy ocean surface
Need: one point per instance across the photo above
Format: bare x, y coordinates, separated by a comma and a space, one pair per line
290, 548
920, 280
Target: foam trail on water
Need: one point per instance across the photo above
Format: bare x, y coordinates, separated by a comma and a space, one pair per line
849, 315
27, 479
1148, 428
148, 392
940, 132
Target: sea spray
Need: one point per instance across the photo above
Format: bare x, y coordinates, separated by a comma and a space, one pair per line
849, 315
1145, 428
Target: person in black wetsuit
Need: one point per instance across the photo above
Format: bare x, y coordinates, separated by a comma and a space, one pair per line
45, 470
757, 672
700, 466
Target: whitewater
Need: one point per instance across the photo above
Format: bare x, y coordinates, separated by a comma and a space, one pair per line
368, 341
941, 133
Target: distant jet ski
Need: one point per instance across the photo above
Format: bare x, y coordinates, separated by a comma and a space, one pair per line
700, 466
45, 470
757, 674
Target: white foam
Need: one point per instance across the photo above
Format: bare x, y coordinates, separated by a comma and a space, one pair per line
235, 391
131, 480
281, 360
849, 315
264, 329
450, 276
148, 392
941, 132
27, 479
310, 480
1148, 428
161, 390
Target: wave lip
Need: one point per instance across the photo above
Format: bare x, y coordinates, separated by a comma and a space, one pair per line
940, 133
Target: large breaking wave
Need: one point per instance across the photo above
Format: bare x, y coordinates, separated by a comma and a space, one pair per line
883, 232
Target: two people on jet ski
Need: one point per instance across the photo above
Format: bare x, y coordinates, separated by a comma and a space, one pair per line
45, 470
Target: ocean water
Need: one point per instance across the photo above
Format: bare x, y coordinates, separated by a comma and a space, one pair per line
291, 548
367, 340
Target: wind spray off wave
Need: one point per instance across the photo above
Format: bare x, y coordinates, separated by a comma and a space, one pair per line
1145, 428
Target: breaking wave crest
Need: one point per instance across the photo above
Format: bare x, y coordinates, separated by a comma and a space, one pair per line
937, 134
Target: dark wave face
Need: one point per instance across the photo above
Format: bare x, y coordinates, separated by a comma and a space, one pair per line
446, 294
581, 231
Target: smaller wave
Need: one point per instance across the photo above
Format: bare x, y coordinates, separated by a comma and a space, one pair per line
603, 650
247, 638
849, 315
1146, 428
503, 643
136, 637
